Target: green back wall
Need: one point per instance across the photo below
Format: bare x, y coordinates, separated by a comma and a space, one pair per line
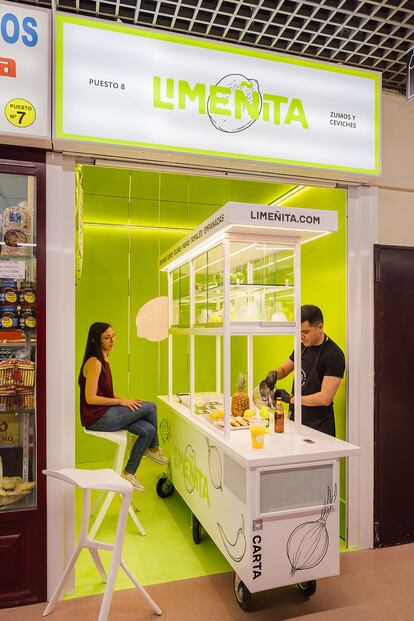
120, 273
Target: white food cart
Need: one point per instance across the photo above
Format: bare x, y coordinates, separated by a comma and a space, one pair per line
273, 512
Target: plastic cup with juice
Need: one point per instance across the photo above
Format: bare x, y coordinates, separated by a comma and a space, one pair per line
257, 430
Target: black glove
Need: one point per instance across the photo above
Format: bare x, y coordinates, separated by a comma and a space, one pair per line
282, 394
271, 379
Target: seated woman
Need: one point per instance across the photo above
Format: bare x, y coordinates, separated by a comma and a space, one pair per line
102, 411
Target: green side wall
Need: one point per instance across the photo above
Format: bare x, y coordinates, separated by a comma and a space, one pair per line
120, 273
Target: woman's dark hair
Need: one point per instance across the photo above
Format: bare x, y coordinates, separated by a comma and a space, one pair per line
311, 313
93, 344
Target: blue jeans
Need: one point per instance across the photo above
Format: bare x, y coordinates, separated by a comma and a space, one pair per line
143, 423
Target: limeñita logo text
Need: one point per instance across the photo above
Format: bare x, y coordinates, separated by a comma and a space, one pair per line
233, 104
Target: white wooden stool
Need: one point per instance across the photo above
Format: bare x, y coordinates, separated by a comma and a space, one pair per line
120, 439
98, 480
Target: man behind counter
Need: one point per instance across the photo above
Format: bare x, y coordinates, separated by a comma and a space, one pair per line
323, 366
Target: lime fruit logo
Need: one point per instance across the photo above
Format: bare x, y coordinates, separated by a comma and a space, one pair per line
20, 112
239, 103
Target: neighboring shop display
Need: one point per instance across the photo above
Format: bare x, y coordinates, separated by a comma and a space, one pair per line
17, 233
18, 302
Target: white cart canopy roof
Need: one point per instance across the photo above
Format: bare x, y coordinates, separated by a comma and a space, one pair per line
287, 222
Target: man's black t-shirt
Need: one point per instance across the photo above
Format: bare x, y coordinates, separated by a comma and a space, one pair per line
319, 361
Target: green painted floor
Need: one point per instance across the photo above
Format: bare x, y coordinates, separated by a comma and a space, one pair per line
167, 553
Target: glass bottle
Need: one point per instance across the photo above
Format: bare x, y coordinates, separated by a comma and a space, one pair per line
279, 417
264, 414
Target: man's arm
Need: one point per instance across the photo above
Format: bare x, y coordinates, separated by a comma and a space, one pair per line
325, 396
284, 369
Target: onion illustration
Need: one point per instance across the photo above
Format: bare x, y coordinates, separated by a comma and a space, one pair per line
214, 465
309, 542
236, 549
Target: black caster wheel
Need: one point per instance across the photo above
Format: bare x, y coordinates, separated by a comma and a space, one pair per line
164, 487
242, 594
195, 529
307, 588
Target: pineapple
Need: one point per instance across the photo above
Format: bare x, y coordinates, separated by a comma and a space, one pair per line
239, 400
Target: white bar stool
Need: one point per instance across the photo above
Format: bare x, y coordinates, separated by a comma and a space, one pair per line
98, 480
120, 439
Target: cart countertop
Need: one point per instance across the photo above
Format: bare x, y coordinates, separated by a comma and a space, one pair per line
279, 449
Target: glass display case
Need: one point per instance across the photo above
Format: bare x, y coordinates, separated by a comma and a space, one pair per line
236, 275
261, 285
18, 295
242, 286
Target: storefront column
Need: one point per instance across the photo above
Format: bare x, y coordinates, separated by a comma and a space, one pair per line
362, 235
60, 311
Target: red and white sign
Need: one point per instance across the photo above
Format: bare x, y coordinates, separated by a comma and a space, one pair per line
25, 91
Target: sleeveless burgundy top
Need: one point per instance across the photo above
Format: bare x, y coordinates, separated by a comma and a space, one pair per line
91, 413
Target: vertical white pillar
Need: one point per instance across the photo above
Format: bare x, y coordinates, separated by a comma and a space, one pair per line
170, 338
226, 338
218, 365
192, 338
362, 235
250, 366
61, 409
297, 343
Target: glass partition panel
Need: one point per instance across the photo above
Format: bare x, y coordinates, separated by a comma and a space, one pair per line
208, 283
181, 296
261, 282
207, 380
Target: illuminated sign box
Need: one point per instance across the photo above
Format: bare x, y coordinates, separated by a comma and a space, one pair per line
25, 59
120, 85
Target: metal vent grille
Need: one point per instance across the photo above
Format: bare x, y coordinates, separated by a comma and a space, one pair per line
372, 34
291, 489
235, 478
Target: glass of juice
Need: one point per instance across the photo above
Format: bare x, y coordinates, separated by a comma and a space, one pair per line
257, 430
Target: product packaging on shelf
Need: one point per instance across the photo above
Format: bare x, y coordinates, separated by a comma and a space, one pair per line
17, 231
17, 305
9, 430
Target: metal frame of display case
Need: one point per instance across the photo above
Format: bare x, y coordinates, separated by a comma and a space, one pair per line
237, 328
234, 227
23, 529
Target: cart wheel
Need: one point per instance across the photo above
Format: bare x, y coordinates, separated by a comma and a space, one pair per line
242, 593
164, 487
196, 529
307, 588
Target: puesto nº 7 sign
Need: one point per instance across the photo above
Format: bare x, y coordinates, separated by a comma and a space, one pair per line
121, 85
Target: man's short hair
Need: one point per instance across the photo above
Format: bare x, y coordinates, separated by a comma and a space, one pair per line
311, 313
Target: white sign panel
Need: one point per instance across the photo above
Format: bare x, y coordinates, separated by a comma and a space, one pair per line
288, 221
122, 85
24, 73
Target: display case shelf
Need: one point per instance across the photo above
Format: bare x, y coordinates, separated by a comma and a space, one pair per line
17, 344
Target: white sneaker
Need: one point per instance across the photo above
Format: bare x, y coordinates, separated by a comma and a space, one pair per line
157, 456
131, 478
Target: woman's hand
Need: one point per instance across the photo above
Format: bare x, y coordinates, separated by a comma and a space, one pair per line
132, 404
